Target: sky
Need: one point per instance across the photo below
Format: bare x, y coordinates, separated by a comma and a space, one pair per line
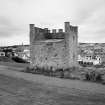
16, 15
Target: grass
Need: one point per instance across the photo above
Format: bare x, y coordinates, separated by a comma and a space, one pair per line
89, 74
14, 64
15, 91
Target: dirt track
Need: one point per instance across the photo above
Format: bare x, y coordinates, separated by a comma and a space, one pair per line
17, 88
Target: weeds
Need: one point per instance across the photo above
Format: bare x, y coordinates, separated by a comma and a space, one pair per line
93, 76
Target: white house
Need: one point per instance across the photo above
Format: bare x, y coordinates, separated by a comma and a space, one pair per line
89, 59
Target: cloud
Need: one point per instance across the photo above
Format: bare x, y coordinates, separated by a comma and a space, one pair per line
16, 15
93, 29
7, 28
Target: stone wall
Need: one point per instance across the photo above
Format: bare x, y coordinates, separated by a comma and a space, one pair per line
50, 54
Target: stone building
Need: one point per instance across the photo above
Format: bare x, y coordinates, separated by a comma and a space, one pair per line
54, 49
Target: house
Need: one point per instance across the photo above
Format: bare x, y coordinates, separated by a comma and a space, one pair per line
89, 59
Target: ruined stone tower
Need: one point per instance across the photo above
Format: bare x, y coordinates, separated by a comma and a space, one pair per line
71, 38
54, 49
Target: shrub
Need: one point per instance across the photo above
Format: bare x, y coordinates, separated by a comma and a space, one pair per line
28, 70
19, 60
103, 82
93, 76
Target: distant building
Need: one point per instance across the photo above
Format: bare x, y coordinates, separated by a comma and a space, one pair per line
23, 52
89, 59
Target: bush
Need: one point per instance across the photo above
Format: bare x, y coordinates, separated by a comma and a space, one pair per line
93, 76
103, 82
28, 70
19, 60
59, 73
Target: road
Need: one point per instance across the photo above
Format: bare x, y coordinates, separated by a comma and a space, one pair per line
18, 88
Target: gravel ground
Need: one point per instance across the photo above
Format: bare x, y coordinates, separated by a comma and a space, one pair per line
18, 88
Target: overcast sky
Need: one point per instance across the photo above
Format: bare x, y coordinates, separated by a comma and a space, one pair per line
16, 15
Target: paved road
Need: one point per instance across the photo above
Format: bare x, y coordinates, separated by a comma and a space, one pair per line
18, 88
